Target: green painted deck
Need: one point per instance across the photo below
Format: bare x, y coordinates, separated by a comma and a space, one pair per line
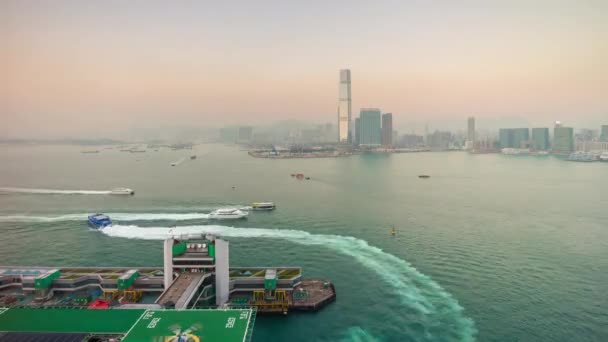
138, 325
68, 320
200, 325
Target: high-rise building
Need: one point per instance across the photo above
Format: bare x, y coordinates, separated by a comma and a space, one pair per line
540, 137
245, 134
604, 133
370, 130
344, 108
439, 140
563, 139
387, 130
357, 131
471, 129
513, 137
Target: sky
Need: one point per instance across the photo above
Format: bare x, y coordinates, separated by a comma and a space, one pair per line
102, 68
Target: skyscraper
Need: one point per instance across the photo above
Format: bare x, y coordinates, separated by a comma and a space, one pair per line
563, 139
604, 133
471, 129
357, 131
387, 130
370, 132
540, 137
513, 137
344, 108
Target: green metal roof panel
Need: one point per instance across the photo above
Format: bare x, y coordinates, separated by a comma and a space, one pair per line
68, 320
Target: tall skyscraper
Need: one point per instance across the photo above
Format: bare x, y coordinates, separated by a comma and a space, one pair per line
563, 139
357, 131
344, 108
471, 129
540, 137
513, 137
370, 131
604, 133
245, 134
387, 130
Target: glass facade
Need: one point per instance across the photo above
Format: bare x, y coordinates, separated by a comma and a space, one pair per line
387, 130
471, 129
540, 137
604, 133
563, 139
513, 137
370, 129
344, 108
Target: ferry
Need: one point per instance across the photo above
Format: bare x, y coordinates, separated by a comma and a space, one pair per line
515, 151
228, 214
581, 156
99, 221
122, 191
263, 206
604, 157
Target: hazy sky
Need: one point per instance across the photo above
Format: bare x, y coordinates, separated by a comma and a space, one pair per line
70, 67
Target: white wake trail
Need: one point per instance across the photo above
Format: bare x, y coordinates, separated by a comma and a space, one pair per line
114, 216
54, 191
415, 291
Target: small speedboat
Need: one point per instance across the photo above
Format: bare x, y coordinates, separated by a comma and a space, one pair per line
263, 206
99, 221
424, 176
122, 191
228, 214
192, 157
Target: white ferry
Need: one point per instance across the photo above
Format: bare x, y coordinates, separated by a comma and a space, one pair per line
228, 214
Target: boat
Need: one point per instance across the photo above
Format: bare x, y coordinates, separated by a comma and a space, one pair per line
228, 214
393, 231
99, 221
604, 157
192, 157
581, 156
512, 151
122, 191
263, 206
424, 176
90, 151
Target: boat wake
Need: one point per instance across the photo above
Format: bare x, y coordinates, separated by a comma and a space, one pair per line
53, 191
417, 293
113, 216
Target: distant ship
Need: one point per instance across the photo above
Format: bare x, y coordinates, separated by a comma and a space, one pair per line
581, 156
90, 151
99, 221
514, 151
263, 206
604, 157
192, 157
228, 214
122, 191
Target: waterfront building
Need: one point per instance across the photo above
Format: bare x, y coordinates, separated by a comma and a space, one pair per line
563, 139
357, 131
245, 134
540, 137
370, 127
344, 108
439, 140
604, 133
471, 129
387, 130
229, 135
411, 140
513, 137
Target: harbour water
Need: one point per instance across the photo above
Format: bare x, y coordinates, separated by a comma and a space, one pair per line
489, 248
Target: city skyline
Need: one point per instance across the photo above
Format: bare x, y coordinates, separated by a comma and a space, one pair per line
71, 67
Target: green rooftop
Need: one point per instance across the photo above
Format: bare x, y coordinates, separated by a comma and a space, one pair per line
137, 325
